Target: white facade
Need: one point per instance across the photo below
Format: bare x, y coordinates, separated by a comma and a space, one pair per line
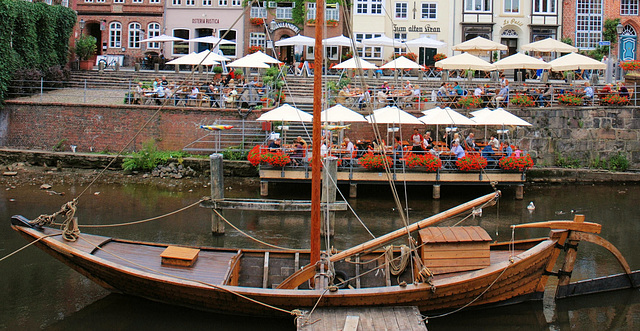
189, 19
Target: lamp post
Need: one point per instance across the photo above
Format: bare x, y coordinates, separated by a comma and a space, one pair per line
619, 29
81, 26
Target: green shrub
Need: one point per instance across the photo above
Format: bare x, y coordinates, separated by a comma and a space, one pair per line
234, 154
567, 162
618, 162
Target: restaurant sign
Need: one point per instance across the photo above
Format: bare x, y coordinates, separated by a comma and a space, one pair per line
205, 21
273, 26
415, 28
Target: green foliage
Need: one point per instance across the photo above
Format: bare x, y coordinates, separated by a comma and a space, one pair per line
34, 37
238, 72
149, 157
609, 33
618, 162
59, 145
567, 40
567, 162
234, 154
85, 46
217, 70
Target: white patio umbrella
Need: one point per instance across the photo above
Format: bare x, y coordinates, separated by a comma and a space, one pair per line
354, 63
161, 38
499, 116
209, 55
480, 111
549, 45
521, 61
340, 41
465, 61
575, 61
260, 56
195, 59
479, 44
186, 59
212, 40
425, 42
392, 115
248, 63
383, 41
401, 63
444, 116
340, 113
297, 40
285, 113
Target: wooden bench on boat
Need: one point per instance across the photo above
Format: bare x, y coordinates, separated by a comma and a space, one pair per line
179, 256
453, 249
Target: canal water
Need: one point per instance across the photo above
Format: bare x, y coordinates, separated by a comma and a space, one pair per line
38, 292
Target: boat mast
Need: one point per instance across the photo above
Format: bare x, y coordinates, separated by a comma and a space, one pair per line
316, 140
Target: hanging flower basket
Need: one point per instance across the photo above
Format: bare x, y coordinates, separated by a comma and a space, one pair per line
426, 162
332, 23
257, 20
513, 163
374, 162
471, 163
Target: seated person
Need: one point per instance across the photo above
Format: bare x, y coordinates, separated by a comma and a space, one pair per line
442, 91
230, 97
457, 150
298, 154
342, 96
160, 93
487, 153
275, 145
588, 91
427, 142
547, 95
194, 93
324, 149
622, 90
479, 91
606, 89
471, 142
212, 93
494, 143
458, 89
382, 98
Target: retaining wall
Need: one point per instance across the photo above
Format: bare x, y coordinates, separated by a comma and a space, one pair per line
584, 133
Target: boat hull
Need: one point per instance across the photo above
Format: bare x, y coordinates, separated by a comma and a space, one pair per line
500, 282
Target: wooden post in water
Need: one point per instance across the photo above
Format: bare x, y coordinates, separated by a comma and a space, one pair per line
264, 188
353, 190
217, 190
329, 175
436, 191
519, 192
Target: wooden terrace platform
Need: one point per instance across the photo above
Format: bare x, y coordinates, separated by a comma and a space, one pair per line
361, 319
349, 176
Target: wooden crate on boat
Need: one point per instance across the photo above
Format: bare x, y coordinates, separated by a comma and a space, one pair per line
453, 249
179, 256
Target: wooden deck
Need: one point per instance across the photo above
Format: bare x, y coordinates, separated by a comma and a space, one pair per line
276, 175
362, 319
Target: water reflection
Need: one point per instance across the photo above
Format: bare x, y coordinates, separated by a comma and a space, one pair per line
37, 291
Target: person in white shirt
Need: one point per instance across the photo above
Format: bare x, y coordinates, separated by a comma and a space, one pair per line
324, 150
479, 91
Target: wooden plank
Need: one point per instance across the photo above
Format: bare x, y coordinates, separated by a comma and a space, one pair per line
564, 225
265, 271
358, 271
351, 323
600, 284
427, 255
179, 256
269, 205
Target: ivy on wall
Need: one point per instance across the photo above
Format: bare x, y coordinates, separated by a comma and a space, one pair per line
298, 13
34, 37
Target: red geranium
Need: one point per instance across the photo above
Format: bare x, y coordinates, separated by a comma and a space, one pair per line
471, 162
371, 161
516, 163
428, 161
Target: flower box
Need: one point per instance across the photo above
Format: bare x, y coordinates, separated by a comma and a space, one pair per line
513, 163
374, 162
471, 163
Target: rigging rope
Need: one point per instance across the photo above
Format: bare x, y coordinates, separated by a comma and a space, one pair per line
27, 245
248, 235
398, 268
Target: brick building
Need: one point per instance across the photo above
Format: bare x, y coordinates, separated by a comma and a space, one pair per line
119, 25
583, 22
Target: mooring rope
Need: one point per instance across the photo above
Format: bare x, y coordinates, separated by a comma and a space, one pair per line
248, 235
27, 245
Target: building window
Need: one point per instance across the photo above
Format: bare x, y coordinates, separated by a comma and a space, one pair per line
544, 6
403, 37
284, 10
236, 3
331, 52
206, 3
118, 1
223, 3
369, 7
511, 6
471, 31
257, 39
115, 35
153, 30
177, 2
84, 1
134, 35
429, 11
477, 5
181, 47
228, 50
190, 2
332, 12
588, 23
369, 52
401, 10
311, 10
258, 11
64, 3
629, 7
136, 1
154, 1
362, 7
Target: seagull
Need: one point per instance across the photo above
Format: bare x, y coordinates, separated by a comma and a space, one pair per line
531, 207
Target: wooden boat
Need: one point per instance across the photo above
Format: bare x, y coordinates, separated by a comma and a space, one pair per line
252, 281
449, 268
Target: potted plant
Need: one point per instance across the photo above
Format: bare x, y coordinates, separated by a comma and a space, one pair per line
254, 49
514, 163
85, 48
469, 102
471, 163
332, 23
439, 56
237, 74
256, 20
311, 22
217, 72
522, 100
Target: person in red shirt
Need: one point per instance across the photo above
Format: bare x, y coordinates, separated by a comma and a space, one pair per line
416, 141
